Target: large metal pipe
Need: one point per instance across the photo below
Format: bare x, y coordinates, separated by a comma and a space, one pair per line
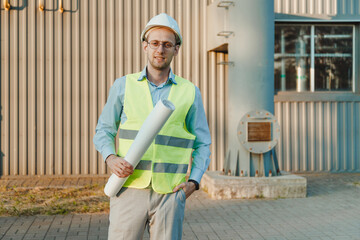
283, 68
251, 78
300, 63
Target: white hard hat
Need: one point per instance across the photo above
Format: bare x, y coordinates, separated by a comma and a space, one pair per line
162, 20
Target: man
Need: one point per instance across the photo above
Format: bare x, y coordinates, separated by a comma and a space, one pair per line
154, 194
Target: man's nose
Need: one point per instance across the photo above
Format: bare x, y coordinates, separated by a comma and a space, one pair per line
161, 47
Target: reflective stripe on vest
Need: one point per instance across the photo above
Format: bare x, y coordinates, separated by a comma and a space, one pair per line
166, 161
162, 167
159, 139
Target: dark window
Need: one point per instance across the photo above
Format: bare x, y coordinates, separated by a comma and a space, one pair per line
313, 57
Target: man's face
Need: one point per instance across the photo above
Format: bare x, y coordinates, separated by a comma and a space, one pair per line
161, 57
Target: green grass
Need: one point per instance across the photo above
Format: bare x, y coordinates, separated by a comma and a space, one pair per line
261, 196
51, 201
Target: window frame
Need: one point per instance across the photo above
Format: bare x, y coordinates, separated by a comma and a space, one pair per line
355, 59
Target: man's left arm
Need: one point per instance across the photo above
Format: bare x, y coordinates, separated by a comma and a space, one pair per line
196, 124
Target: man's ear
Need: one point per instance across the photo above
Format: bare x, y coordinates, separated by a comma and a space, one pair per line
145, 46
177, 47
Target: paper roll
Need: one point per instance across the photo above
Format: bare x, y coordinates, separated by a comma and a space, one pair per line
147, 133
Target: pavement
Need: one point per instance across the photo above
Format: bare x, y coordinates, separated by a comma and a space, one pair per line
331, 210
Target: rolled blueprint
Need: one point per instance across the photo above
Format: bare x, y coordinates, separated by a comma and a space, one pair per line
147, 133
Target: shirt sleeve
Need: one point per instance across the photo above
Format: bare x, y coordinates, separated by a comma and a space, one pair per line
109, 120
197, 124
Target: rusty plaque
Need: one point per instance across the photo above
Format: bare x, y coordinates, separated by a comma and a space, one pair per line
259, 131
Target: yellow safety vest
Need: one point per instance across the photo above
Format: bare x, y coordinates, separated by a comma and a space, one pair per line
166, 161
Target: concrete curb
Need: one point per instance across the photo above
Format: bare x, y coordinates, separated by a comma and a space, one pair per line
220, 186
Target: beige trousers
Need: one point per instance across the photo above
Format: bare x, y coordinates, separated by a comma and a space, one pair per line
132, 210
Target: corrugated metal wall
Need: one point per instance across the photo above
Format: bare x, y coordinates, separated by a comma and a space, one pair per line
56, 71
318, 7
217, 108
57, 68
319, 136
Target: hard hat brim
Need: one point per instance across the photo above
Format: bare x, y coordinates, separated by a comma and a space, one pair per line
148, 28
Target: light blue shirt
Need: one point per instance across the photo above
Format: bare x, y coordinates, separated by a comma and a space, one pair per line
195, 121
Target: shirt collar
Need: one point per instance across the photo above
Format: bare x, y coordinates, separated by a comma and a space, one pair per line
171, 77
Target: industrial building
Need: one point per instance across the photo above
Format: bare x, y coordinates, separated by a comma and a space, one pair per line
297, 59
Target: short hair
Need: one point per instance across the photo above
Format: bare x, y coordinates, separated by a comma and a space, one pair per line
177, 39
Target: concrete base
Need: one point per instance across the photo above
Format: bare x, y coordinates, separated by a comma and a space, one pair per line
230, 187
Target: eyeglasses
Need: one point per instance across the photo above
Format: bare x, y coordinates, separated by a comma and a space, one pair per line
154, 44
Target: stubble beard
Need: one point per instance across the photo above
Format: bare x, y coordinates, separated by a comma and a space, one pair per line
160, 66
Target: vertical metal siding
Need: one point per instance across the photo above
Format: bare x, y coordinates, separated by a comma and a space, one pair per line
318, 7
216, 108
57, 69
220, 97
318, 136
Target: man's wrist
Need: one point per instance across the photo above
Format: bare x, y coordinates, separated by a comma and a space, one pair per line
197, 186
109, 157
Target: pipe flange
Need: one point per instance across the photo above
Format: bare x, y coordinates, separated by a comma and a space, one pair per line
258, 131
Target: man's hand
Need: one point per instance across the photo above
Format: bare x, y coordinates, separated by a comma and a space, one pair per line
119, 166
188, 187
